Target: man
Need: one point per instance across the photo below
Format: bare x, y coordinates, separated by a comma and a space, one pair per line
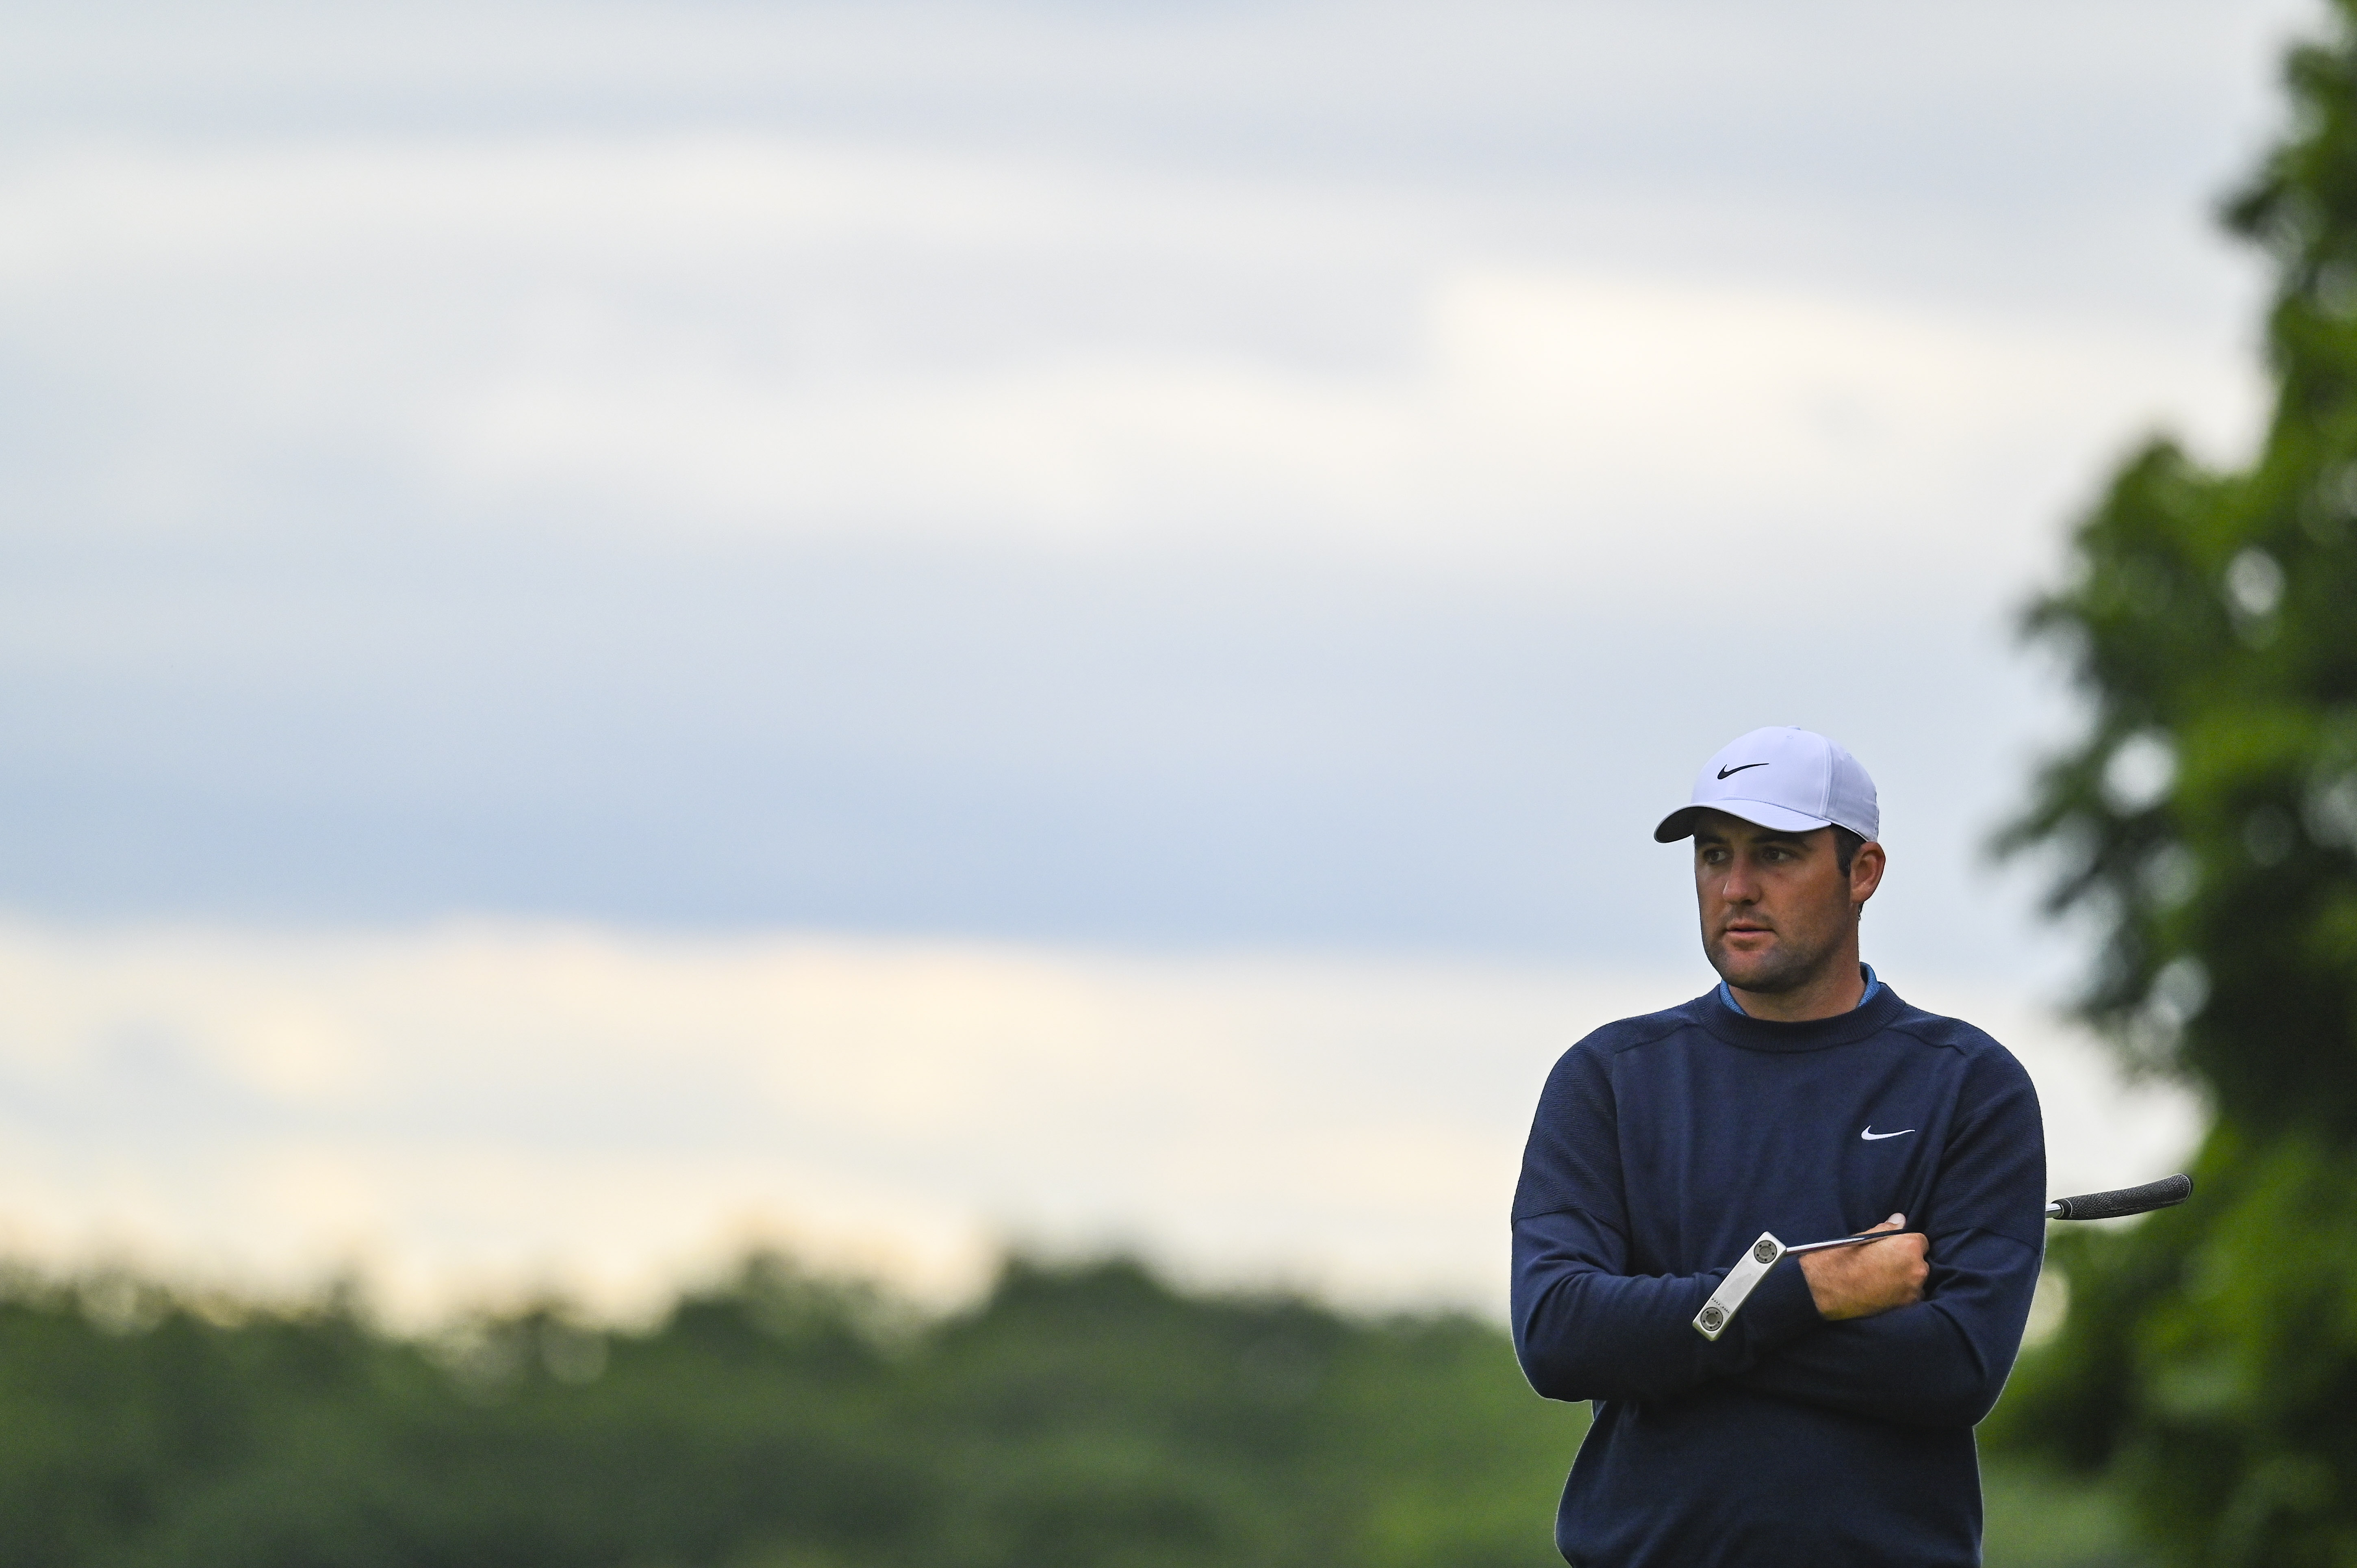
1831, 1422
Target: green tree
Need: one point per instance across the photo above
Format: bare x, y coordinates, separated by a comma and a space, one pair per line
1088, 1416
2203, 825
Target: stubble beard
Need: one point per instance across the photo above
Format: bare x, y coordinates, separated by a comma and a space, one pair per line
1784, 968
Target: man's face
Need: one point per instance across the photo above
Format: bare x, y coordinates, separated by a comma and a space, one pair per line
1775, 907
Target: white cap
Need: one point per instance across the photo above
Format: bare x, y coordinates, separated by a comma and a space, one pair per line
1789, 779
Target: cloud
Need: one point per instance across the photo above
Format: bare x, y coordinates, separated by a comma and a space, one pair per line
1198, 474
483, 1110
685, 334
1612, 427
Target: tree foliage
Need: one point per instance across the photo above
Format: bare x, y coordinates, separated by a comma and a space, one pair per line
2205, 824
1087, 1415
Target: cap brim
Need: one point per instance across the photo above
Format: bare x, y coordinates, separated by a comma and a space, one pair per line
1680, 823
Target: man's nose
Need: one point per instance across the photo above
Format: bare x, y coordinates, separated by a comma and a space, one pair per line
1739, 887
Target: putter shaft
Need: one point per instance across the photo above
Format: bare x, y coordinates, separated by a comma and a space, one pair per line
1844, 1241
1757, 1260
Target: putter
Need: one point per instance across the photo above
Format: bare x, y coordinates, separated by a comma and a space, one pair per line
1742, 1279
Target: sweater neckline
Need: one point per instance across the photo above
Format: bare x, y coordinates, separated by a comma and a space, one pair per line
1876, 1012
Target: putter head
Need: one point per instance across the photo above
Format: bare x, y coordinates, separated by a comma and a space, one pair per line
1720, 1309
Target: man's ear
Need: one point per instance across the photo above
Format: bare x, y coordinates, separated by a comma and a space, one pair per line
1866, 870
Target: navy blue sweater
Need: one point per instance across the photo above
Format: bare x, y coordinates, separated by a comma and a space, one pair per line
1662, 1148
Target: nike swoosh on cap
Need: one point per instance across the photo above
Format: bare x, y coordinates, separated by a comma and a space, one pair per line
1871, 1136
1739, 767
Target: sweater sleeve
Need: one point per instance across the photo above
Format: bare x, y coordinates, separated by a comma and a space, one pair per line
1943, 1361
1584, 1327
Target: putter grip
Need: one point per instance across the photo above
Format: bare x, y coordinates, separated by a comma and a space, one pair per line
2161, 1193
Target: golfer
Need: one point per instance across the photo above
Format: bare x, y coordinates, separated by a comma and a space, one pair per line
1831, 1422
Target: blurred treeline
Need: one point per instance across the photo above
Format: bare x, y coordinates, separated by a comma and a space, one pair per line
2205, 827
1080, 1416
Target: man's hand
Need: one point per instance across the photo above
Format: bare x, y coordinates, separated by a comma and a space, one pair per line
1858, 1282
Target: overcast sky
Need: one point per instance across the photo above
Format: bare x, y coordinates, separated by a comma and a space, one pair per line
1210, 473
1156, 479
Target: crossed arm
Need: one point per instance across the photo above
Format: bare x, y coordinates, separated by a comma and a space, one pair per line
1908, 1330
1862, 1281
